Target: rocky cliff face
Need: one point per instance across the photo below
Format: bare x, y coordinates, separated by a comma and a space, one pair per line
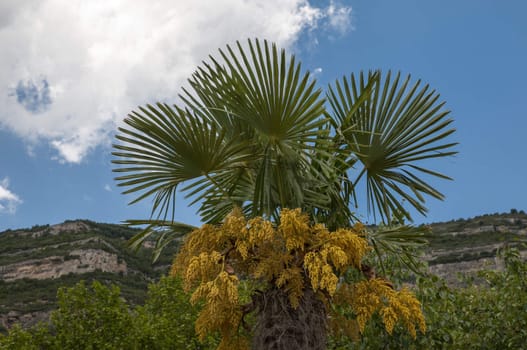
78, 261
468, 246
28, 319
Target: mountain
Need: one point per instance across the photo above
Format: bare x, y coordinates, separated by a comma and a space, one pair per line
35, 262
469, 245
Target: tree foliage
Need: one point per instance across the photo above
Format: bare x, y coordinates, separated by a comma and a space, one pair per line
97, 317
94, 317
167, 319
255, 131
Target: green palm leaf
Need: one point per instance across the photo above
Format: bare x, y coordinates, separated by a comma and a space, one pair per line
260, 94
389, 133
253, 132
245, 136
164, 147
161, 231
401, 241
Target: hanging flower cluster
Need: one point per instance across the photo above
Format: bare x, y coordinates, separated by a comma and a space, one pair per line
293, 256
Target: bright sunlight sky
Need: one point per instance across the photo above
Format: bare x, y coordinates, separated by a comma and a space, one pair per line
71, 70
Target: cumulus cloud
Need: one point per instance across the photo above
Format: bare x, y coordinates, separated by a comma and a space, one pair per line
339, 17
71, 70
8, 200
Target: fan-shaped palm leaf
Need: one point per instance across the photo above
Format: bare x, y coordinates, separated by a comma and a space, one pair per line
269, 102
400, 241
253, 132
163, 147
163, 231
246, 137
390, 132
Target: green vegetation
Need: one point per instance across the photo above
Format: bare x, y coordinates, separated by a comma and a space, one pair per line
95, 316
480, 237
514, 219
466, 256
489, 316
26, 296
30, 295
10, 242
19, 245
448, 241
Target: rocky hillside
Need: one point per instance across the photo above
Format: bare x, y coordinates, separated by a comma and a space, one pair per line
35, 262
467, 246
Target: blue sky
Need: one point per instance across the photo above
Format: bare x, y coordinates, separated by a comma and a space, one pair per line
70, 72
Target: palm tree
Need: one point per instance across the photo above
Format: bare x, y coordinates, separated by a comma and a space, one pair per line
254, 131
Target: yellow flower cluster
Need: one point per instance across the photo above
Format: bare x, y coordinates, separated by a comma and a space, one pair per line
292, 256
202, 240
221, 311
332, 253
292, 280
202, 268
294, 227
375, 295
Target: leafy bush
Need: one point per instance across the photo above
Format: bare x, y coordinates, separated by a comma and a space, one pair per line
92, 318
167, 319
97, 317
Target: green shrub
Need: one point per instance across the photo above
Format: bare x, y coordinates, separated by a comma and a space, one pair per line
97, 317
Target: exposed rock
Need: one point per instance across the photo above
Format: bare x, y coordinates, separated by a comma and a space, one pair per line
69, 226
27, 319
65, 227
63, 254
78, 261
451, 271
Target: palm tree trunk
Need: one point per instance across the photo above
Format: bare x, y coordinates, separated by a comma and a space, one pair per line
279, 326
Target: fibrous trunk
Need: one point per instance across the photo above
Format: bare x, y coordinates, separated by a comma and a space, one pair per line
279, 326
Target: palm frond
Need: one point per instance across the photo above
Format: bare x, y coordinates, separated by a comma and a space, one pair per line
163, 147
261, 95
162, 232
401, 241
253, 132
398, 126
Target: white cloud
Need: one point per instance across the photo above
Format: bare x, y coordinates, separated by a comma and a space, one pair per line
107, 188
8, 200
339, 18
71, 70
